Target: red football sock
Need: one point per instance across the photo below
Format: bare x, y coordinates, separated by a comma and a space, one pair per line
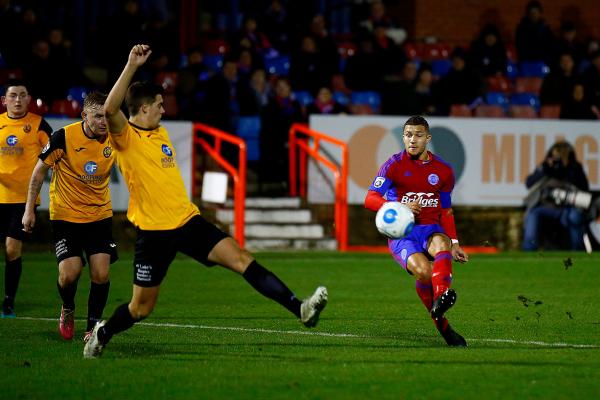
425, 293
441, 276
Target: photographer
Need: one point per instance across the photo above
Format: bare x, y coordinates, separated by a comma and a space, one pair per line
558, 192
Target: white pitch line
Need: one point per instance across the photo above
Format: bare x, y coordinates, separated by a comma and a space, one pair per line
338, 335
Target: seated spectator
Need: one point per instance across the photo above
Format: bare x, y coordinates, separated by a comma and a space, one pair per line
275, 23
325, 104
398, 97
534, 39
251, 38
557, 85
461, 85
307, 68
591, 79
325, 44
364, 71
559, 172
577, 106
487, 53
379, 18
568, 42
191, 81
260, 87
423, 91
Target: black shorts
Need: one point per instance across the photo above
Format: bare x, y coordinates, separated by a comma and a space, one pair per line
72, 239
11, 225
155, 250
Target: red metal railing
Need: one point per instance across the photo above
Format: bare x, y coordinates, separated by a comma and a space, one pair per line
305, 142
238, 175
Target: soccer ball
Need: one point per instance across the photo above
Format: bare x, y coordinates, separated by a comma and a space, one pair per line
394, 220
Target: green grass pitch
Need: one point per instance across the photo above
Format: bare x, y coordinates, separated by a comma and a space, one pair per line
532, 322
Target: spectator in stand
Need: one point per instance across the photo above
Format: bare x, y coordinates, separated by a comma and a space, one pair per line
398, 97
251, 38
277, 117
487, 54
461, 85
568, 42
363, 70
325, 104
423, 91
557, 85
326, 44
591, 79
275, 23
577, 106
307, 69
10, 21
379, 18
192, 83
534, 39
48, 77
247, 63
390, 55
260, 87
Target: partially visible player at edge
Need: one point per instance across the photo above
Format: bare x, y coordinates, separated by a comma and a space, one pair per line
167, 221
22, 137
81, 159
423, 182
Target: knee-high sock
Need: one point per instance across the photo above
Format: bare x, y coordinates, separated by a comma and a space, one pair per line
425, 293
120, 321
269, 285
12, 275
441, 276
67, 294
96, 303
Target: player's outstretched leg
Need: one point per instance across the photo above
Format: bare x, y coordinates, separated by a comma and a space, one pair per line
311, 307
452, 338
93, 347
443, 303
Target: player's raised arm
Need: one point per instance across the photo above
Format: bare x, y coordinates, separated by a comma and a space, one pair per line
115, 118
35, 185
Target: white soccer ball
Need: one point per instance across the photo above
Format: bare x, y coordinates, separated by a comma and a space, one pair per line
394, 220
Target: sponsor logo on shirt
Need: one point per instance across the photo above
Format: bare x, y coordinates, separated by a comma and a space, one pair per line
12, 140
12, 149
169, 160
423, 199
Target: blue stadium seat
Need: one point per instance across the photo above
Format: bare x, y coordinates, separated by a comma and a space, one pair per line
440, 68
248, 128
533, 68
372, 99
279, 65
303, 97
214, 61
497, 99
526, 99
341, 98
512, 71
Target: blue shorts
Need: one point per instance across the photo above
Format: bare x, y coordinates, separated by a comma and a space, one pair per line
414, 242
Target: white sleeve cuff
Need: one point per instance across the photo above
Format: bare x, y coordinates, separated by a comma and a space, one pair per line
454, 241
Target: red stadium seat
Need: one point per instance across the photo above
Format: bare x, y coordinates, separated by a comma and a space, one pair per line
361, 109
168, 81
216, 46
490, 111
68, 108
38, 106
530, 84
170, 105
411, 51
460, 110
346, 49
550, 111
499, 83
522, 111
511, 52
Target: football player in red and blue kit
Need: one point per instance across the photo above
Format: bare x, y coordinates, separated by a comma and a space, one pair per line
423, 182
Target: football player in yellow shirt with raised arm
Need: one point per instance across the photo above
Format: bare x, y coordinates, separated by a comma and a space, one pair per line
81, 158
22, 137
167, 221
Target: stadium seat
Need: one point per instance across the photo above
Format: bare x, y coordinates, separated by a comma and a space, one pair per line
440, 68
248, 128
361, 109
523, 99
215, 46
528, 84
435, 51
341, 98
38, 106
170, 105
550, 111
303, 97
411, 51
371, 99
522, 111
66, 108
10, 73
279, 65
499, 83
214, 61
490, 111
168, 81
511, 52
511, 70
497, 99
338, 84
77, 93
533, 68
460, 110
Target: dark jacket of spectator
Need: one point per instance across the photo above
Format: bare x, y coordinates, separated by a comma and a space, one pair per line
487, 53
534, 39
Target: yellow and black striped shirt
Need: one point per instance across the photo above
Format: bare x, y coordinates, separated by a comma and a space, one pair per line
81, 166
158, 199
21, 140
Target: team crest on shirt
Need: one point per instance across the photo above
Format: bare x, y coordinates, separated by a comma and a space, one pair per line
379, 182
107, 151
433, 179
27, 128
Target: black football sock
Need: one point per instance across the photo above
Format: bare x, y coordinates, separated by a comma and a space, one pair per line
96, 303
67, 294
269, 285
120, 321
12, 275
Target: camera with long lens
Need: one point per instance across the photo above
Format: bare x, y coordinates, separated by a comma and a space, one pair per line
562, 197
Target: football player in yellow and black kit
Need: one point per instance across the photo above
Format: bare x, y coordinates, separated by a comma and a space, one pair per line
22, 137
167, 221
81, 157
